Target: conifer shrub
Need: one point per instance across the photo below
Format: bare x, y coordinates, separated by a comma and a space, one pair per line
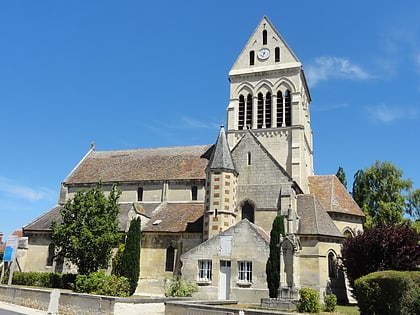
330, 302
389, 292
309, 301
130, 260
272, 268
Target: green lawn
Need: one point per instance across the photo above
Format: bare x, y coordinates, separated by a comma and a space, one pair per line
344, 310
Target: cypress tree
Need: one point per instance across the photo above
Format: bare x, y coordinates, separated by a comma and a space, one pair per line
272, 268
130, 262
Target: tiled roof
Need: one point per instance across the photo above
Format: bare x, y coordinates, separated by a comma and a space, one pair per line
176, 217
170, 163
333, 195
221, 158
43, 222
314, 220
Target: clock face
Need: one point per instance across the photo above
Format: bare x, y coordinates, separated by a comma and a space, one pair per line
264, 53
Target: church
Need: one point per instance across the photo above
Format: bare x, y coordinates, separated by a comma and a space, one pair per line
207, 210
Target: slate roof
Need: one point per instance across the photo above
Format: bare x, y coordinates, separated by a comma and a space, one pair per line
176, 217
314, 220
221, 158
333, 195
166, 163
43, 222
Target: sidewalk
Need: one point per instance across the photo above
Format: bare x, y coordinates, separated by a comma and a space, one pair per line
21, 309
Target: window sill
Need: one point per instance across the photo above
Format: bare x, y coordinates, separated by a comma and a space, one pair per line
244, 284
203, 282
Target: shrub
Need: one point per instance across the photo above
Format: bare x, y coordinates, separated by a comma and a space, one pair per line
177, 287
309, 301
102, 284
388, 292
330, 302
44, 279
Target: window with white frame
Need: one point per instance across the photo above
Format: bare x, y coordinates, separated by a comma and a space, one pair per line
204, 270
245, 271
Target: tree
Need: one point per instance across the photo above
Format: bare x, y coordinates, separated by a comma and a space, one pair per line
89, 229
381, 193
414, 205
130, 261
272, 268
383, 247
341, 176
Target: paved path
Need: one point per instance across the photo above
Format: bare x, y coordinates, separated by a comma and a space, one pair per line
20, 309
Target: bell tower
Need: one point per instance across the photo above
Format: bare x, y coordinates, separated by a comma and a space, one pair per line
270, 96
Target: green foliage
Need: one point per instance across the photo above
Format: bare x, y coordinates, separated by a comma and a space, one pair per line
330, 302
272, 268
309, 301
177, 287
89, 229
381, 192
130, 261
383, 247
413, 209
388, 293
100, 283
116, 261
44, 279
341, 176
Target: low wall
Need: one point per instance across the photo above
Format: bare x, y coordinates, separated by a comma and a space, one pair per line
71, 303
206, 308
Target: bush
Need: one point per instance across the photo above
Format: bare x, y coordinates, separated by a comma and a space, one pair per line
44, 279
177, 287
330, 302
388, 292
102, 284
309, 301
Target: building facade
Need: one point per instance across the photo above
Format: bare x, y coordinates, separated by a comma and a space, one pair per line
207, 210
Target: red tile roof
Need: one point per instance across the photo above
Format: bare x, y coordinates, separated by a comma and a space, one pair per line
170, 163
176, 217
332, 195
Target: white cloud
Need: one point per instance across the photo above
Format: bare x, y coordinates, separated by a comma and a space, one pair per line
326, 68
9, 187
388, 114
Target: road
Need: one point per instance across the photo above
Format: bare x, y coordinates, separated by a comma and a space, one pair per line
11, 309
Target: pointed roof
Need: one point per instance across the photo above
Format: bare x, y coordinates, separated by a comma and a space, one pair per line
314, 220
288, 59
221, 158
333, 196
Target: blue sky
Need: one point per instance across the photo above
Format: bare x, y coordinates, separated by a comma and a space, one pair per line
132, 74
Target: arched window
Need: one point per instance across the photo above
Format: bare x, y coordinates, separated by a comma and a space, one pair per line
249, 111
277, 54
264, 36
260, 110
170, 258
279, 109
248, 212
268, 110
251, 58
287, 108
241, 115
51, 253
140, 194
332, 266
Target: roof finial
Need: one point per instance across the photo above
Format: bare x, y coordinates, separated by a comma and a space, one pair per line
92, 145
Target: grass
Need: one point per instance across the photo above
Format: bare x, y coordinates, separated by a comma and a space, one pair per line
344, 310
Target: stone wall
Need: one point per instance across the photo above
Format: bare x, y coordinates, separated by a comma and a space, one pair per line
82, 304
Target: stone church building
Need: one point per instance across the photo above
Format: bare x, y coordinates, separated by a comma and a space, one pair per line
207, 210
